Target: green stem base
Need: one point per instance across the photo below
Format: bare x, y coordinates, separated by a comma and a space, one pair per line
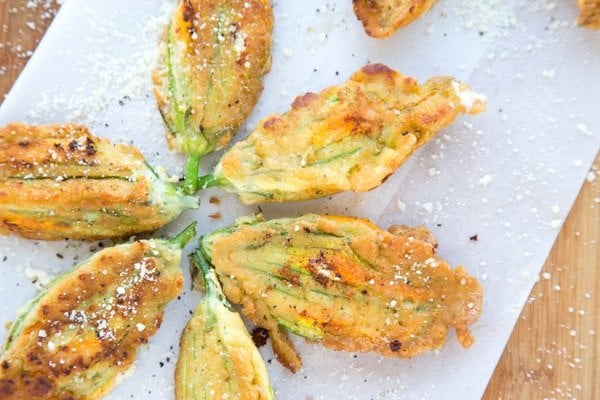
190, 185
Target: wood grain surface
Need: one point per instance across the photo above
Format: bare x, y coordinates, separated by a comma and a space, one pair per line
552, 351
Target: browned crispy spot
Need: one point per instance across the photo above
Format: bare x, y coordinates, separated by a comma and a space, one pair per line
395, 345
322, 270
305, 100
271, 122
431, 118
7, 387
362, 125
41, 387
260, 336
377, 68
289, 275
188, 10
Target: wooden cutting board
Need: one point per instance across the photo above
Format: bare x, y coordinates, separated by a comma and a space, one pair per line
552, 351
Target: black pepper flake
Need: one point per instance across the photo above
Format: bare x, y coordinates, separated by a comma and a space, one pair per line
60, 256
122, 101
260, 336
395, 345
473, 238
90, 150
73, 145
5, 364
162, 364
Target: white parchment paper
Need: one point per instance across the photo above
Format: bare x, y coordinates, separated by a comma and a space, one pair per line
508, 176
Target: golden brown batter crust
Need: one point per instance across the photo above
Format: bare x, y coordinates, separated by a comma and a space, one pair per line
381, 18
590, 13
84, 331
347, 137
213, 58
345, 283
60, 181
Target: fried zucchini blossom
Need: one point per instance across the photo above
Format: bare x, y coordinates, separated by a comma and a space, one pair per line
347, 137
60, 181
208, 80
217, 357
344, 283
80, 335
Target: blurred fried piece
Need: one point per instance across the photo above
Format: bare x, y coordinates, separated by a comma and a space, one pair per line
381, 18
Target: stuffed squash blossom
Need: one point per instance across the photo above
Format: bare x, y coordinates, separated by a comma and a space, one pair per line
213, 56
217, 358
81, 334
345, 283
60, 181
347, 137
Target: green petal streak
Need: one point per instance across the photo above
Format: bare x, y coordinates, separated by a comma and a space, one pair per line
212, 287
206, 181
185, 236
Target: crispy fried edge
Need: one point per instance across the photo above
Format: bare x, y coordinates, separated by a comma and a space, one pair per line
370, 17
